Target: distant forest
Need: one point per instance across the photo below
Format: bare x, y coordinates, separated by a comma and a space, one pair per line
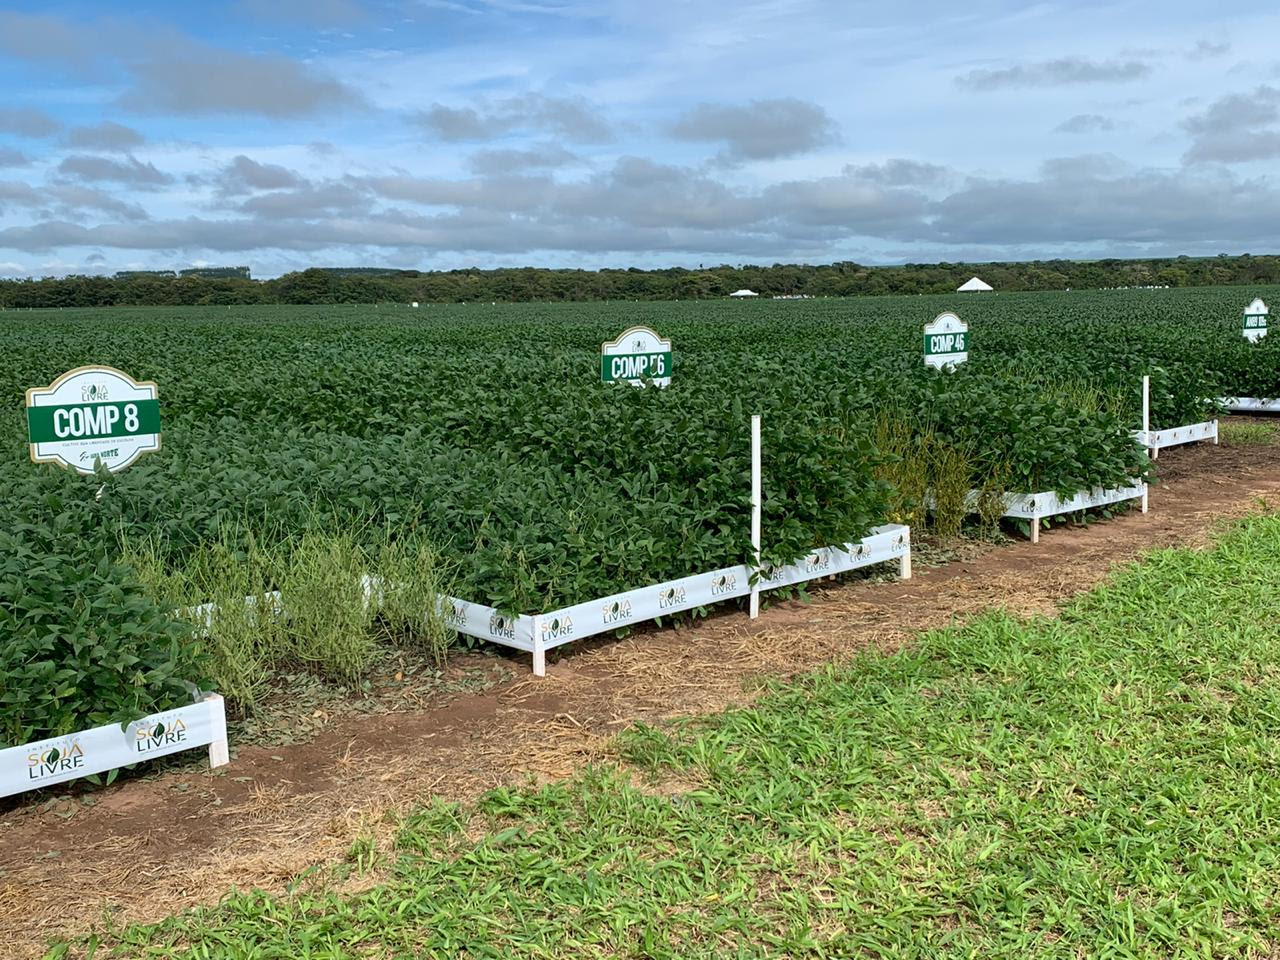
232, 285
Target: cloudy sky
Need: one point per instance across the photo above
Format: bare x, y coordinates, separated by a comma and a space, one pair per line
451, 133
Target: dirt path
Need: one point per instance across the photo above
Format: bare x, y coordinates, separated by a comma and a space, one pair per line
277, 811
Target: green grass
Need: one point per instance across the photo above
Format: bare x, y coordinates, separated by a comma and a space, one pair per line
1106, 784
1247, 434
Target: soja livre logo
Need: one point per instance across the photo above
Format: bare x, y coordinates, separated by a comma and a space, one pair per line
557, 628
817, 562
771, 573
502, 626
163, 732
724, 583
671, 597
617, 612
93, 392
456, 615
66, 756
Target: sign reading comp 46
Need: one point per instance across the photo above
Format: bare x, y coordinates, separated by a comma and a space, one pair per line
946, 341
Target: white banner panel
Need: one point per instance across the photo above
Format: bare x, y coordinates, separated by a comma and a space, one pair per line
886, 543
528, 633
487, 623
1251, 404
61, 759
646, 603
1172, 437
1027, 506
594, 617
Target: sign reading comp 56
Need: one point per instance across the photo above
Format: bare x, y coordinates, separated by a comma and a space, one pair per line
638, 357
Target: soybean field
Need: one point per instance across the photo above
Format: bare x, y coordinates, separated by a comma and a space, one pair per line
475, 445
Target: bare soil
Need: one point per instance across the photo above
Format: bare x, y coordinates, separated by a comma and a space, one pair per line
278, 811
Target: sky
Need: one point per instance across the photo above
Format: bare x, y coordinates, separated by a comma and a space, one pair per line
442, 134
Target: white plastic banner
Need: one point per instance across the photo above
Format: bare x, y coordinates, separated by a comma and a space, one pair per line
647, 603
487, 623
61, 759
1251, 404
1032, 505
537, 634
1175, 436
890, 542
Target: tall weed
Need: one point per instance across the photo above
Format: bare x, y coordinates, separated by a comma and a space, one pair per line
324, 601
905, 467
949, 470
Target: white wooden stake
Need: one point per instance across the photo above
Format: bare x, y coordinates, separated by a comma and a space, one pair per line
756, 497
539, 650
1035, 528
1146, 430
219, 750
1152, 452
904, 562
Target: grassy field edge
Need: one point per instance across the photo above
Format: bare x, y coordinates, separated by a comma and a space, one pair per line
1098, 784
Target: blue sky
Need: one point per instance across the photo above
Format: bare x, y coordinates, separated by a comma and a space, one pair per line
450, 133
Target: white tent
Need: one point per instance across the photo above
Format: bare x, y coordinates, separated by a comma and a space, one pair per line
744, 293
974, 286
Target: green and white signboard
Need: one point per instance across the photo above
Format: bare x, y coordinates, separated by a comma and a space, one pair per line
91, 415
946, 341
1255, 321
638, 357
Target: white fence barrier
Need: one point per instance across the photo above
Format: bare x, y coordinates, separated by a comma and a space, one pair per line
539, 633
1157, 440
1035, 507
62, 759
1251, 404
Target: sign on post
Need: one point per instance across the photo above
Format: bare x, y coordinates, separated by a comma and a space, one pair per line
91, 415
639, 356
1255, 321
946, 341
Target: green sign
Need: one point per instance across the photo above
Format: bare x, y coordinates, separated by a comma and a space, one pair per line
638, 357
946, 341
93, 420
1255, 321
93, 415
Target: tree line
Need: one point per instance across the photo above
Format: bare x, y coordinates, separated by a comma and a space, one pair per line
842, 279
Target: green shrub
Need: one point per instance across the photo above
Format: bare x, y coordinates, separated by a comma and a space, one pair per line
84, 642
